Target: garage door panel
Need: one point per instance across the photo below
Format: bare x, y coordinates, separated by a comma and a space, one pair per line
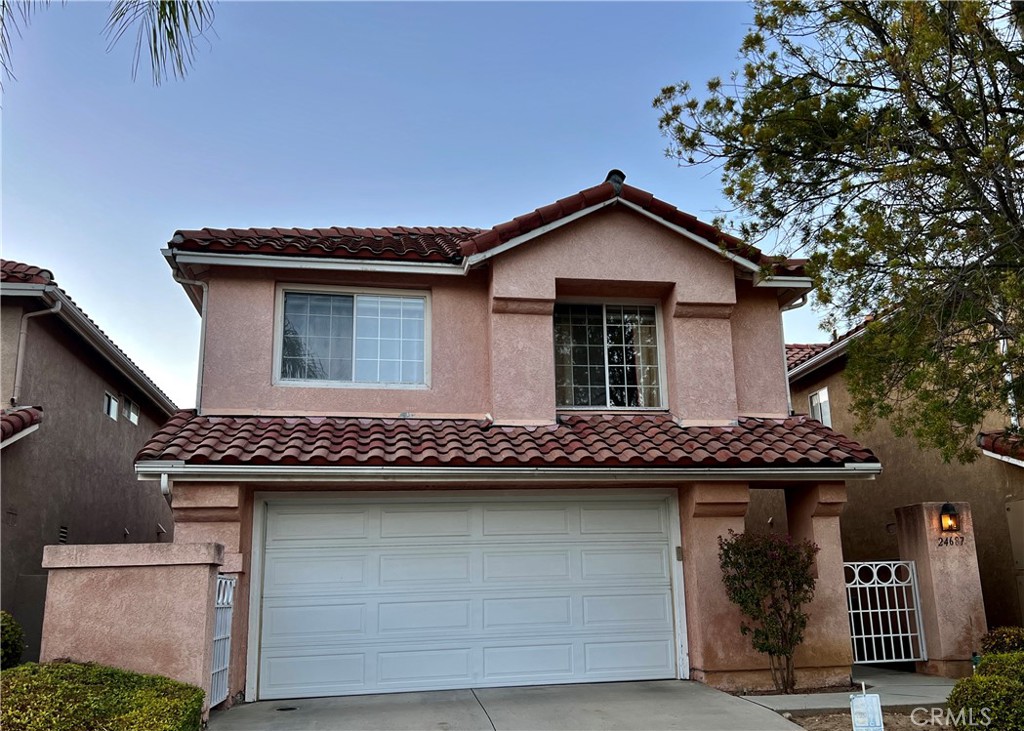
523, 613
307, 525
465, 592
647, 521
626, 564
523, 521
416, 522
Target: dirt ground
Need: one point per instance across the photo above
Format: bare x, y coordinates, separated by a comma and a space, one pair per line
891, 721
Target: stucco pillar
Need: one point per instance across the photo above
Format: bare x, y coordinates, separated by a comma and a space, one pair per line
719, 654
522, 361
949, 585
704, 391
145, 607
826, 655
221, 513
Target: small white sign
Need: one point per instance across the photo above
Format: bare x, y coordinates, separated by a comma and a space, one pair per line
866, 712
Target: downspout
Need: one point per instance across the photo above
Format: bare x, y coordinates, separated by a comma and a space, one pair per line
22, 340
785, 361
202, 332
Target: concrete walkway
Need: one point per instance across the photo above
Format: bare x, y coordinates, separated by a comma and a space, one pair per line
899, 691
661, 704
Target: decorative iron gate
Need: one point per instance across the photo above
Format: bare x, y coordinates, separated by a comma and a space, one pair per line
885, 611
221, 639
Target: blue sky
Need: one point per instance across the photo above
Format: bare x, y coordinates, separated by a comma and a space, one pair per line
320, 114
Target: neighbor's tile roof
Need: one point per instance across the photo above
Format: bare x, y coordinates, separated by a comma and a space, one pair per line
13, 421
576, 441
1005, 443
453, 244
797, 353
16, 272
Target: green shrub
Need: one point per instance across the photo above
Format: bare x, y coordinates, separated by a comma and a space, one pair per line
1007, 664
987, 701
1003, 639
770, 577
12, 641
67, 696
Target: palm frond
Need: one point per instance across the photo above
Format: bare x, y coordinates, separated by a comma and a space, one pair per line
168, 28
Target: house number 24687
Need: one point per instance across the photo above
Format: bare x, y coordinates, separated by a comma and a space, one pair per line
951, 541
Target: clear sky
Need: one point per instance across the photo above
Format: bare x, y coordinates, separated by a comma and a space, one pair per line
322, 113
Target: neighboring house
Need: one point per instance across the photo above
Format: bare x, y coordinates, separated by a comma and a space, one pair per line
993, 484
450, 457
77, 410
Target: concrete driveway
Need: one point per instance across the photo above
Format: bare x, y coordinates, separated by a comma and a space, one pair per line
661, 704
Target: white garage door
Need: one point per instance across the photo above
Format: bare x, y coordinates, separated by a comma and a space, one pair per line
458, 592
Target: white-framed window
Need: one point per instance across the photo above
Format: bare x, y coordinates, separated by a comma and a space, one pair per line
131, 410
110, 405
347, 337
819, 407
607, 356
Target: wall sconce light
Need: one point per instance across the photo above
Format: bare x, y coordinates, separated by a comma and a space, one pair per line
949, 519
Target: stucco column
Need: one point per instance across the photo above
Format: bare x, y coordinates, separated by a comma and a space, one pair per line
522, 361
221, 513
949, 584
145, 607
704, 391
719, 654
826, 655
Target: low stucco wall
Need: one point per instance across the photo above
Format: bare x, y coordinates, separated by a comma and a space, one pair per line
145, 608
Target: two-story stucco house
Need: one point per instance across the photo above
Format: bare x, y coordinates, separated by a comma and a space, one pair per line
76, 411
451, 457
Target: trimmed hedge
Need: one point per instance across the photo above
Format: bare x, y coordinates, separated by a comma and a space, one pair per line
12, 641
992, 697
1006, 664
1003, 639
67, 696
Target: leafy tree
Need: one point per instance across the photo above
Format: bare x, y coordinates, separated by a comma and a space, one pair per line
885, 140
769, 577
167, 29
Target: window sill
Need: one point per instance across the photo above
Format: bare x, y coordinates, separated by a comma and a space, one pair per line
360, 386
618, 410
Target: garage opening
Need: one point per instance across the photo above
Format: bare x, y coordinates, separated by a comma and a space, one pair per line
454, 590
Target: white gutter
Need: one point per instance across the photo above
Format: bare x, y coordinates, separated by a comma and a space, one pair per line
23, 340
311, 263
1003, 457
205, 287
23, 433
826, 356
164, 469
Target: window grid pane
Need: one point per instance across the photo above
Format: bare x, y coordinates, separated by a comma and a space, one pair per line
606, 355
353, 338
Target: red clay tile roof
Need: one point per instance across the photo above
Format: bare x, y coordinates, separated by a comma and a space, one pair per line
797, 353
429, 243
576, 441
452, 244
14, 421
1005, 443
18, 273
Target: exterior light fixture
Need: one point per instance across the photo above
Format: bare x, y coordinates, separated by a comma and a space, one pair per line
949, 519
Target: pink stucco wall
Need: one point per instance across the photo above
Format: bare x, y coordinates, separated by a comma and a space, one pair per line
492, 346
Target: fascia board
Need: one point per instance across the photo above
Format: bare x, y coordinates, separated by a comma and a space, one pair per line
20, 435
154, 469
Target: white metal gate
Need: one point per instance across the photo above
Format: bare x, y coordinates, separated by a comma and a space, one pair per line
885, 611
222, 639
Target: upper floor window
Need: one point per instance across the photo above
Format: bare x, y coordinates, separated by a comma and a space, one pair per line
353, 337
820, 408
110, 405
606, 356
131, 411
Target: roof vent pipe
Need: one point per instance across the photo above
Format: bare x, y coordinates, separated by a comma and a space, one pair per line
616, 178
